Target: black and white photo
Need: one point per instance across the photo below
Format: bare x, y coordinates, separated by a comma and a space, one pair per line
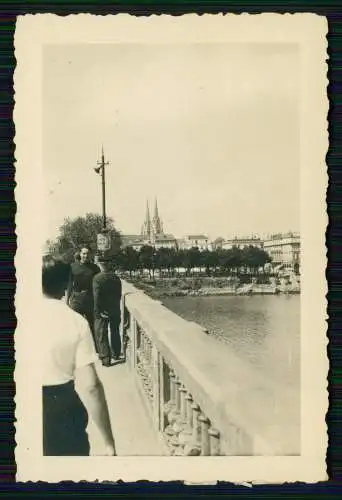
179, 214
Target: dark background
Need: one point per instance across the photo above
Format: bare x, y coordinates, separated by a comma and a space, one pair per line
8, 12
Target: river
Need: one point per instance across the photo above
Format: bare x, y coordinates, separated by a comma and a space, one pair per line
264, 330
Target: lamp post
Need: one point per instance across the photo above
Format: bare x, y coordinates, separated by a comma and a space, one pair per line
101, 169
103, 239
154, 255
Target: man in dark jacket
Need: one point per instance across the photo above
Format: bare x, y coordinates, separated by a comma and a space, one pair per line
107, 311
79, 294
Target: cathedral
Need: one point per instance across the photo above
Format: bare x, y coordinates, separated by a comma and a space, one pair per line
152, 233
152, 229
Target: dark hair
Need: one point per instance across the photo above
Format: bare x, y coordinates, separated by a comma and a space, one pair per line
87, 247
55, 276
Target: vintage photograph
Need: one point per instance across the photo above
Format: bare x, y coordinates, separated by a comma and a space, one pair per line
200, 200
172, 263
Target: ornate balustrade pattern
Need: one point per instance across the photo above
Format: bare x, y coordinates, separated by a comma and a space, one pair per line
195, 394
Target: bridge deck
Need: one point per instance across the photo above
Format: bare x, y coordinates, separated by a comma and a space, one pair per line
133, 431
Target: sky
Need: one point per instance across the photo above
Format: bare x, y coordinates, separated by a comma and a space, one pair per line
212, 130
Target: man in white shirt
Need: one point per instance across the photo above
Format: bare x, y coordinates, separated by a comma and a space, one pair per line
71, 387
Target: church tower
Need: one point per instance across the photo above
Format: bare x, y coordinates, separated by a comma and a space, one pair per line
152, 229
147, 226
157, 226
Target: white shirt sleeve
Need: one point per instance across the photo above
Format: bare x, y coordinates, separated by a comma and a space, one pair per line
85, 350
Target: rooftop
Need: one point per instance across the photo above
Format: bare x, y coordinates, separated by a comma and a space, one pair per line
165, 237
196, 237
280, 236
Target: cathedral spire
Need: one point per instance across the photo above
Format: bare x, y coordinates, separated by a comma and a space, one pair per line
146, 230
156, 222
147, 219
156, 214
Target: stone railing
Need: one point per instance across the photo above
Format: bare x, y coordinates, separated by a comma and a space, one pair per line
201, 398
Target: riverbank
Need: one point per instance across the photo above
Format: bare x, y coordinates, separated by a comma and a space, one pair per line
159, 288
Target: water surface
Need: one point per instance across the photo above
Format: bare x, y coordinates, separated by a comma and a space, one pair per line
264, 330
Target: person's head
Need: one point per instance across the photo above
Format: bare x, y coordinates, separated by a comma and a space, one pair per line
84, 255
55, 275
104, 263
77, 257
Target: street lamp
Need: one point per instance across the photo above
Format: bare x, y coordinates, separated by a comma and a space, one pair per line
100, 169
103, 239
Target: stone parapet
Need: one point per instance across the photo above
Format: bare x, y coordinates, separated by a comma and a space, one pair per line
201, 397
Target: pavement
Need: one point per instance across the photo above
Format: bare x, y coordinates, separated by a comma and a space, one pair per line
131, 425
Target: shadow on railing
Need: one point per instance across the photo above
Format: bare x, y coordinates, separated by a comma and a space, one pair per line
202, 400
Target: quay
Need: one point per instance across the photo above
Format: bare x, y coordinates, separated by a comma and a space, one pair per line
181, 393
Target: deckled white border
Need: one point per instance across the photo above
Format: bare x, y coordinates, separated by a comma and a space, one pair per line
34, 31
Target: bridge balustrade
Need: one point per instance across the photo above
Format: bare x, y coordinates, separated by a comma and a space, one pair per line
202, 399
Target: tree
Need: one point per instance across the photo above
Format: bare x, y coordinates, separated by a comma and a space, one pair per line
192, 258
171, 260
223, 259
179, 259
235, 259
146, 257
208, 260
249, 258
128, 260
51, 247
83, 231
164, 259
264, 258
254, 258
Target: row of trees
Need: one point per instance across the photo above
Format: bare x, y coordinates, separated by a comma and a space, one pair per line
169, 260
83, 230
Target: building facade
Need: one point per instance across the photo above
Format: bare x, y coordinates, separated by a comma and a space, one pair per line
242, 243
284, 249
165, 241
217, 243
199, 241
